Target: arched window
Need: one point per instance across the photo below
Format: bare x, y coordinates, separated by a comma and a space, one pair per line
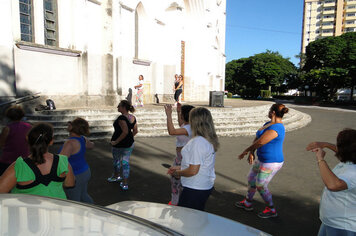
141, 33
26, 22
50, 22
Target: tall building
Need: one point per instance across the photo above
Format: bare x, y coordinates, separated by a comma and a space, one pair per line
324, 18
91, 52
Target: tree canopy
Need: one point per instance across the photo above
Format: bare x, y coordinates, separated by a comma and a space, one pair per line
330, 64
263, 71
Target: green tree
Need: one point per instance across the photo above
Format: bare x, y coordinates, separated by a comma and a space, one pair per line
330, 65
231, 72
264, 71
349, 60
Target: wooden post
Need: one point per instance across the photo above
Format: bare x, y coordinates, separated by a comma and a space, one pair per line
182, 65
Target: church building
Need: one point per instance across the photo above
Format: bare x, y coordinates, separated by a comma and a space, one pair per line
90, 53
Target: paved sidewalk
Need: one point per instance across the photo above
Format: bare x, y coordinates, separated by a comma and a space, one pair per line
296, 188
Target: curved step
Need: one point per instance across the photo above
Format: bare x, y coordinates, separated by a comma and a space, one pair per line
152, 122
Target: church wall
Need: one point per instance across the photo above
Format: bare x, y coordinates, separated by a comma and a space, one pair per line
104, 51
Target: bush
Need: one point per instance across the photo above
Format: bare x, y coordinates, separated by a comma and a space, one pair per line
284, 97
306, 100
249, 93
229, 95
265, 93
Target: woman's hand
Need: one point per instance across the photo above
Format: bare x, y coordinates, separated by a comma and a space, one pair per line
179, 107
251, 158
168, 109
242, 155
173, 169
113, 143
314, 145
319, 153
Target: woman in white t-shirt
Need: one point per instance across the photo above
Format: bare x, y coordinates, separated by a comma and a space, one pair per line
338, 202
183, 134
197, 170
139, 91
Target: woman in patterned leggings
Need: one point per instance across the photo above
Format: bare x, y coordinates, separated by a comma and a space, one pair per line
269, 144
183, 135
122, 142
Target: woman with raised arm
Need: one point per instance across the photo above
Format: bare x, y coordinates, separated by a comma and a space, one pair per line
75, 148
178, 89
183, 135
337, 205
197, 170
122, 142
269, 145
41, 173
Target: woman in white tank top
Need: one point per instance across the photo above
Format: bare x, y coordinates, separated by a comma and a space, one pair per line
183, 135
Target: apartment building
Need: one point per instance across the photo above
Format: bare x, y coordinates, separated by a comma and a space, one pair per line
324, 18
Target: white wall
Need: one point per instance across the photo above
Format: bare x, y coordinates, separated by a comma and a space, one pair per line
47, 73
7, 75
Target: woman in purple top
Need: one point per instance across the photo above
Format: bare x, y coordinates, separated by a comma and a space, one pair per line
13, 138
269, 145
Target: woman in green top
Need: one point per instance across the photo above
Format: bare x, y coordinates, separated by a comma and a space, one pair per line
42, 173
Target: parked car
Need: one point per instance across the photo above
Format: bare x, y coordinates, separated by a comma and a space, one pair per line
35, 215
185, 220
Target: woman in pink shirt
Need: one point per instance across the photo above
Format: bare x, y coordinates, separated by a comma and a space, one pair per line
13, 138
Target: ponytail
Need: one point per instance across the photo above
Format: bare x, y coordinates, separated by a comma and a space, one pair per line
279, 109
128, 106
39, 139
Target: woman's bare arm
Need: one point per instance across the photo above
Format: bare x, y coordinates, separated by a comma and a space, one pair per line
314, 145
124, 133
8, 179
331, 181
89, 144
3, 136
188, 172
68, 148
267, 137
69, 178
135, 130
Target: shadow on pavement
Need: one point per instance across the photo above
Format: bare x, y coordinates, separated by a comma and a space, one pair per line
148, 182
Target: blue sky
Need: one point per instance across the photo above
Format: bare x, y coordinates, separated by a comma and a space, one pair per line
253, 26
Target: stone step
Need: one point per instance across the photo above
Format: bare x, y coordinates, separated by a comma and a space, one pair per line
162, 131
152, 122
143, 122
107, 126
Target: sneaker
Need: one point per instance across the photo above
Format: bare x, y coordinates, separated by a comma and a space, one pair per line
114, 179
124, 186
267, 213
171, 204
244, 206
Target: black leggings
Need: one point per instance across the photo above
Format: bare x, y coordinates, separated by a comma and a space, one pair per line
193, 198
177, 94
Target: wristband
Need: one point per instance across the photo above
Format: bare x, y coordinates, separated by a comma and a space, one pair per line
321, 161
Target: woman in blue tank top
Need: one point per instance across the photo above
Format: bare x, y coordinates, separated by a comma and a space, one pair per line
74, 148
269, 144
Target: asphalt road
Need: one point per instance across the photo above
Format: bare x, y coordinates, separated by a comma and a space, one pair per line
296, 188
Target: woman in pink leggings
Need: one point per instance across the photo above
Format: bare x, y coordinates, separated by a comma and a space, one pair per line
269, 144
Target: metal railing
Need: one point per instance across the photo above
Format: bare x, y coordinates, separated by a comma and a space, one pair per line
21, 99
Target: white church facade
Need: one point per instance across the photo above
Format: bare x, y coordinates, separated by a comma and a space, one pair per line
90, 52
